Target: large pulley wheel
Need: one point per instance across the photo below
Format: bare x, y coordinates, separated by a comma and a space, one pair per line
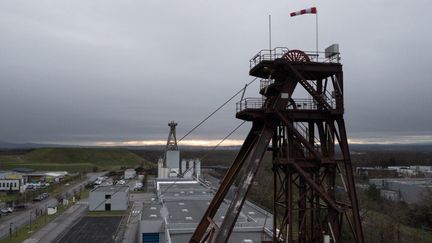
296, 56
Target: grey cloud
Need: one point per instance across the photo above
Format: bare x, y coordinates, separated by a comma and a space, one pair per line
118, 70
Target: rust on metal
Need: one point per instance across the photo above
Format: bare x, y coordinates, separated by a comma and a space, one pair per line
305, 134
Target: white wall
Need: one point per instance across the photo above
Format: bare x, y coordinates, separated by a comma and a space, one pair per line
173, 159
14, 184
118, 200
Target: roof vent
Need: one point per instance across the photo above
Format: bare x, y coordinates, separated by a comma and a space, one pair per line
188, 218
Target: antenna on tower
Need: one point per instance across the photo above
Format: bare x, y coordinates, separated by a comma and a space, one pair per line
172, 139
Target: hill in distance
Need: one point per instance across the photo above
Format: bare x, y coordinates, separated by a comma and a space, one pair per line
74, 159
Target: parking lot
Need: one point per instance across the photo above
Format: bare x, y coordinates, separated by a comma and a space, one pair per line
92, 229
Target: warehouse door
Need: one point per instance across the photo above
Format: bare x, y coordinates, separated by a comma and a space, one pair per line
107, 206
150, 238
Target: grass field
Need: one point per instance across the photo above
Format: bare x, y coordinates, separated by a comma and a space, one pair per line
74, 159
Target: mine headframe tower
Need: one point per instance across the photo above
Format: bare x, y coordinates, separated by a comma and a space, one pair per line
172, 140
309, 146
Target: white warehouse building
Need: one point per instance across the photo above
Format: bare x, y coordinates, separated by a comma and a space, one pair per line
109, 198
129, 174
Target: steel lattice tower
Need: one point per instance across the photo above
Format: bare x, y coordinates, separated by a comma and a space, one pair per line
172, 139
308, 140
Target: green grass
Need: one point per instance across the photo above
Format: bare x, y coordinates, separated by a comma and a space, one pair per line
74, 159
105, 213
79, 155
407, 232
78, 167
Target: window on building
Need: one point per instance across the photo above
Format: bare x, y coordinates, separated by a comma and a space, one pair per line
150, 238
107, 196
15, 185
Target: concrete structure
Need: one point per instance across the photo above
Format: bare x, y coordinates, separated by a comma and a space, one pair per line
173, 159
179, 205
187, 168
191, 168
376, 172
129, 174
409, 190
109, 198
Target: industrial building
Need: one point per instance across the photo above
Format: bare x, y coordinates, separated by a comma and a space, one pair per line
20, 180
11, 181
170, 166
129, 174
413, 170
180, 200
409, 190
109, 198
179, 205
376, 172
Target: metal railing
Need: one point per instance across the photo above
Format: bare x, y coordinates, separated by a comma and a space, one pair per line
278, 52
298, 104
309, 104
249, 103
266, 82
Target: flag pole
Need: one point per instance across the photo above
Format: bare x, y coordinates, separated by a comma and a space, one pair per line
316, 33
270, 46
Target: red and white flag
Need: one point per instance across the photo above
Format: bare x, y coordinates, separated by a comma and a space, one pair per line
304, 11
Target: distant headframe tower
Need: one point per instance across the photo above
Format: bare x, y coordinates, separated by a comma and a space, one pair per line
169, 164
299, 118
172, 139
172, 155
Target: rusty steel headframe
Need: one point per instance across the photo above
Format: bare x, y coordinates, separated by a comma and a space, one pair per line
308, 204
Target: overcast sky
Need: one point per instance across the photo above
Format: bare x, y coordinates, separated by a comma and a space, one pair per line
103, 71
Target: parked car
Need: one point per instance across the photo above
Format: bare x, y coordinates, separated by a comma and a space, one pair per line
45, 195
19, 207
38, 198
6, 210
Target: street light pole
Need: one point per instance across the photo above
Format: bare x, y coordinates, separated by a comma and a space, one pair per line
10, 232
30, 220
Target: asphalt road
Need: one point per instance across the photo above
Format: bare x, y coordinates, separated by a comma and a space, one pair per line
22, 218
